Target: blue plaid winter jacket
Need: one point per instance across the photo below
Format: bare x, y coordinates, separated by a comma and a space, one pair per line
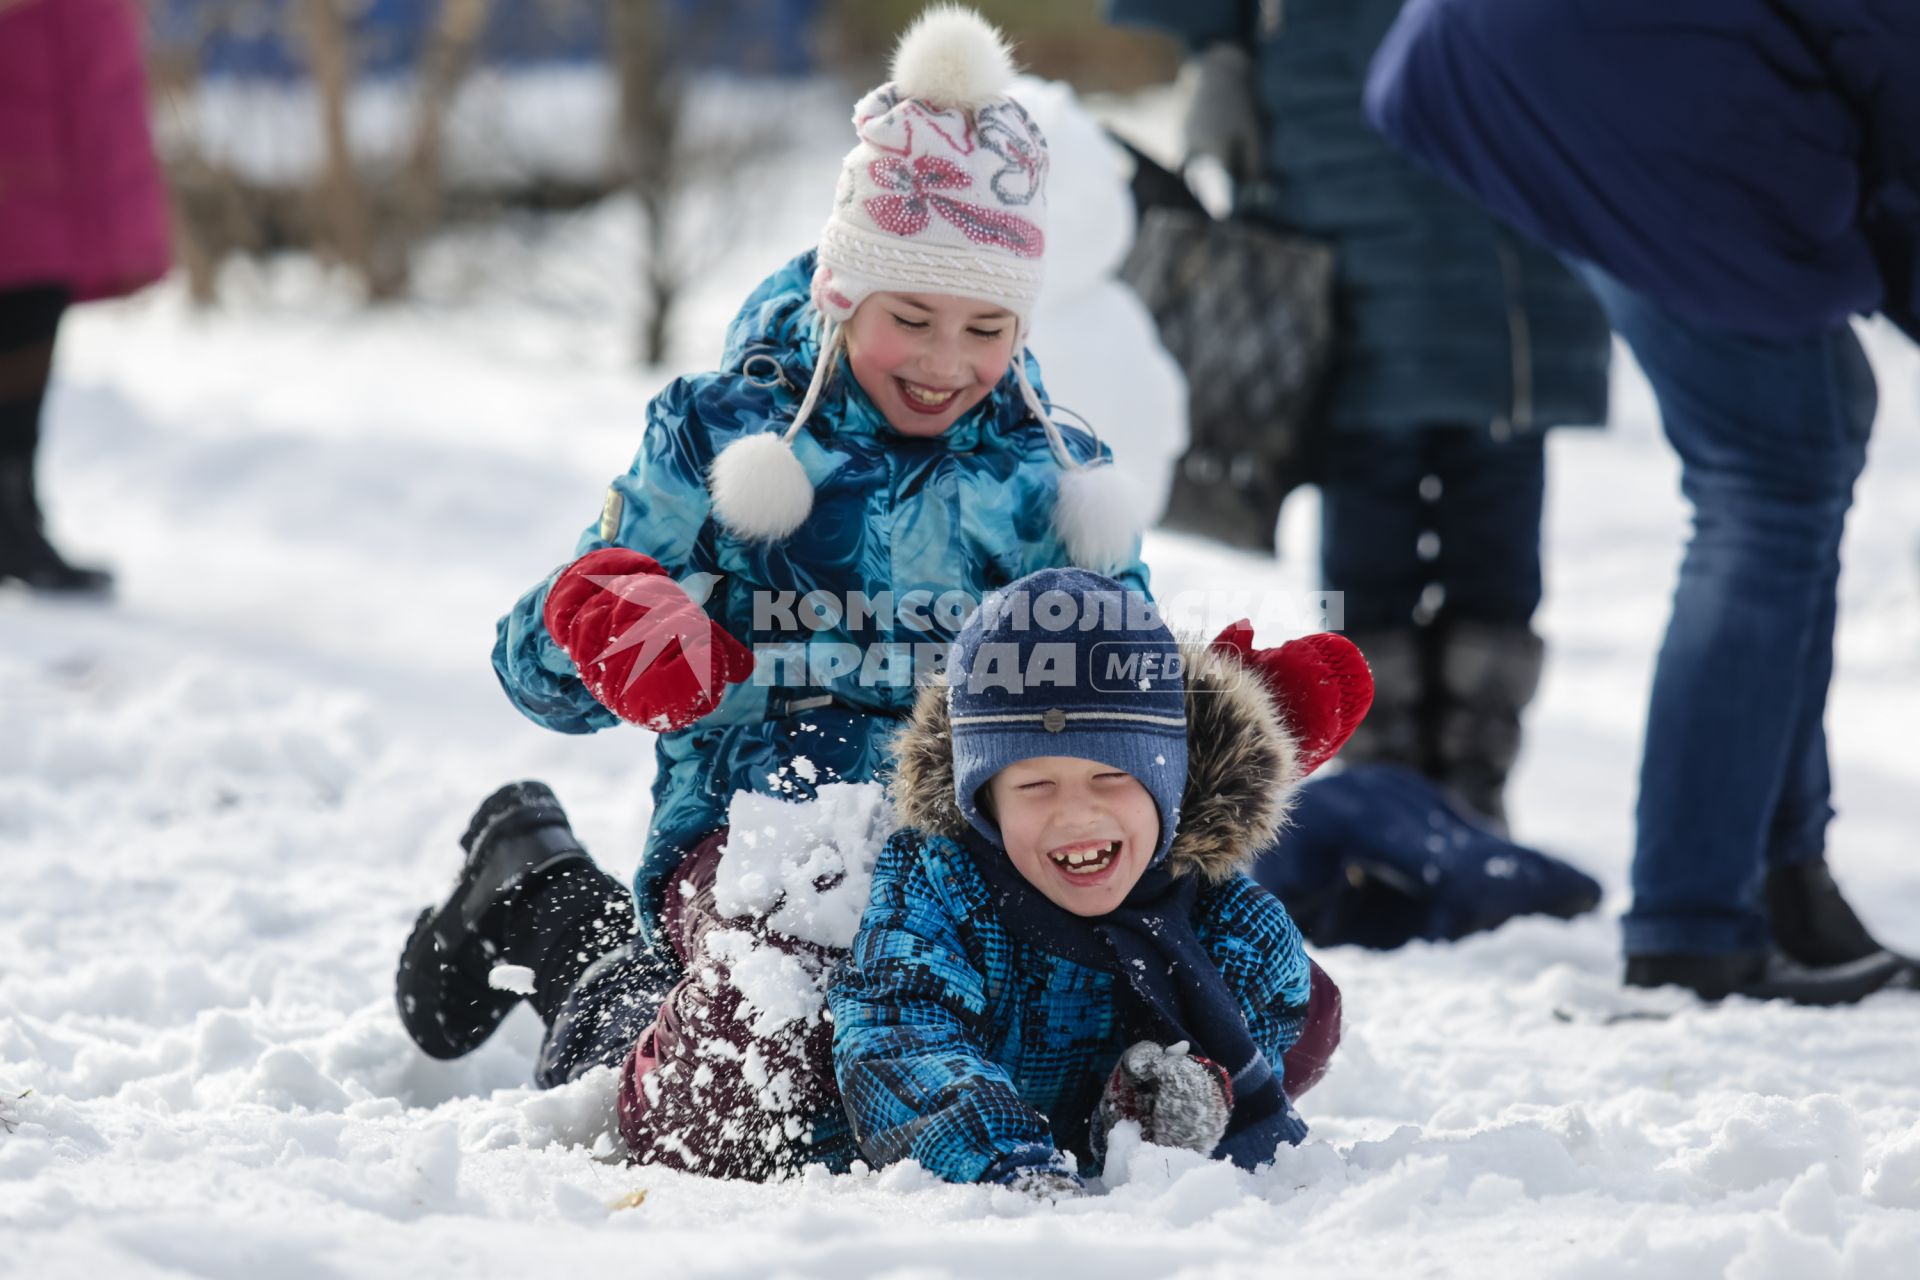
935, 522
974, 1053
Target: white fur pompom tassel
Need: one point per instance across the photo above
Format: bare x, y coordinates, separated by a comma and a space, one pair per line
760, 490
1099, 516
952, 58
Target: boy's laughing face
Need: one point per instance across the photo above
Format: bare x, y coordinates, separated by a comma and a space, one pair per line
1079, 831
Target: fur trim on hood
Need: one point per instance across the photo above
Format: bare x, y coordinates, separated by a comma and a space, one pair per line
1243, 768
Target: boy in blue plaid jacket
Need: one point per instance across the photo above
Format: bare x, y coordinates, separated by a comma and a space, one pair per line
1064, 935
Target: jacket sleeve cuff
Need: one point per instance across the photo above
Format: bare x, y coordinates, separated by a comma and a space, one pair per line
1256, 1144
1031, 1157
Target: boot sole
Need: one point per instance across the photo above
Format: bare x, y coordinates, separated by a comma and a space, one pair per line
1821, 988
440, 986
448, 1015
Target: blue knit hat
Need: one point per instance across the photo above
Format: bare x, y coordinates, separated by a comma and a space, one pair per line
1067, 663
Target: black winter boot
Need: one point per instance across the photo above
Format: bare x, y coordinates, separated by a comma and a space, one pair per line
1397, 727
1812, 922
518, 847
1487, 676
25, 553
1768, 975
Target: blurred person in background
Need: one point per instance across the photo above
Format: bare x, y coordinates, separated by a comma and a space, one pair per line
83, 215
1457, 344
1737, 178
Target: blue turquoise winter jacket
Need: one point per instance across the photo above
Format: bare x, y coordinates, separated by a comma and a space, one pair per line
937, 523
974, 1052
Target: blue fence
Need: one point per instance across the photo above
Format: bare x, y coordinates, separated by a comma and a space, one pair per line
257, 38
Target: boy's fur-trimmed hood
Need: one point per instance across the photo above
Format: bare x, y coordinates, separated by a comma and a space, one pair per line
1243, 768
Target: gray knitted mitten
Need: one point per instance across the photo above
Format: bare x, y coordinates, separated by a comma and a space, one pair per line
1222, 122
1178, 1098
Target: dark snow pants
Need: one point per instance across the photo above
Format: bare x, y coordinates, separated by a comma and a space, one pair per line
711, 1081
734, 1079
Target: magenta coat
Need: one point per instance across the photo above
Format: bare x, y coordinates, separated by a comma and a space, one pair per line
81, 199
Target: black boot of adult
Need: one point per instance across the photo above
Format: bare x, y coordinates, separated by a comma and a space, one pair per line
1812, 922
527, 895
25, 554
1487, 675
1768, 975
29, 320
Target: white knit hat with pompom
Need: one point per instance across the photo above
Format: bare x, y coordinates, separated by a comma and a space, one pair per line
945, 192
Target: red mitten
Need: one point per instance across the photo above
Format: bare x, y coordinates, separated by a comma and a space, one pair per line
1320, 684
644, 648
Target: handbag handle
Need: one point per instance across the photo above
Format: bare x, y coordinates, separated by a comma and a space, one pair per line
1155, 186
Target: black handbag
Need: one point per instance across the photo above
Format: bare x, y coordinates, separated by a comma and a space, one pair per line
1247, 310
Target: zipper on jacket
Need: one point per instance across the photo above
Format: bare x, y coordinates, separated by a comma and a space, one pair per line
1519, 340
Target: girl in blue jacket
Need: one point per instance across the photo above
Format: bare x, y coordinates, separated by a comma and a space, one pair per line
796, 543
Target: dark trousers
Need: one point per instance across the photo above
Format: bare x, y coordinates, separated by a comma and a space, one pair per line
1771, 437
594, 985
1434, 522
29, 320
705, 1087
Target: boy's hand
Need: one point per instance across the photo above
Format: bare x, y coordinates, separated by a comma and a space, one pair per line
1179, 1099
1320, 684
644, 648
1047, 1184
1036, 1170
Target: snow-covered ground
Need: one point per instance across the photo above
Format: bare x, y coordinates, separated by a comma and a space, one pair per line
224, 797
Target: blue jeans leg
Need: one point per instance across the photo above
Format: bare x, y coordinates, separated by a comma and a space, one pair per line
1771, 437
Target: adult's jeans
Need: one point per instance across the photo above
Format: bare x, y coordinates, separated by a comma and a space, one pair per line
1771, 437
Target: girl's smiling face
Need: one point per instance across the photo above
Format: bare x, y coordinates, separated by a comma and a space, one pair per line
1079, 831
926, 359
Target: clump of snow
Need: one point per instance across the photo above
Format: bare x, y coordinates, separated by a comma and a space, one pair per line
1097, 344
778, 987
516, 978
804, 866
1896, 1177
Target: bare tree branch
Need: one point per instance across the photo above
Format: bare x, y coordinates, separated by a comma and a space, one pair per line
444, 65
343, 200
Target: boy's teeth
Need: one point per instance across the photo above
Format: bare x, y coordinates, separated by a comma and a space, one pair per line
1086, 860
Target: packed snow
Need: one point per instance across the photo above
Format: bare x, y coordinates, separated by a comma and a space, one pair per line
804, 867
224, 797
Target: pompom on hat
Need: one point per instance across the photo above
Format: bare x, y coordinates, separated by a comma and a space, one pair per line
944, 192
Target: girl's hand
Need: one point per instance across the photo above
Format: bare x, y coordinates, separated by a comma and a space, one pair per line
1320, 684
646, 651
